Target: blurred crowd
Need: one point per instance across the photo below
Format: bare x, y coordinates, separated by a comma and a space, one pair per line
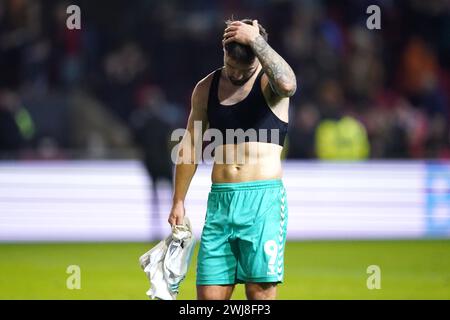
121, 84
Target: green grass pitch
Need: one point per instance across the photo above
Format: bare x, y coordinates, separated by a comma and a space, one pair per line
313, 270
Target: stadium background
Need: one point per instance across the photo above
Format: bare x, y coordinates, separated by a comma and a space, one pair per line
86, 115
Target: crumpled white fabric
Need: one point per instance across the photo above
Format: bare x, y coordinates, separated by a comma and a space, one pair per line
167, 263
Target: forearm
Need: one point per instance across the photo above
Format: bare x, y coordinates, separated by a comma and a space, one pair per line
183, 176
186, 165
184, 173
281, 76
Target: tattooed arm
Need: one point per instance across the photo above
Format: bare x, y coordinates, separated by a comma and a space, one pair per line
281, 77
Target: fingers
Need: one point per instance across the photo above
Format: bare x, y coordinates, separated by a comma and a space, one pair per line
228, 40
175, 220
235, 23
239, 32
229, 34
232, 28
180, 220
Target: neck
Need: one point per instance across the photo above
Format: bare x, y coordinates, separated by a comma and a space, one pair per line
254, 75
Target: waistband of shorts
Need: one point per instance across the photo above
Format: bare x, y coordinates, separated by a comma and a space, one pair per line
247, 185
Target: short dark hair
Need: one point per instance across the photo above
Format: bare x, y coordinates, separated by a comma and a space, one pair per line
243, 53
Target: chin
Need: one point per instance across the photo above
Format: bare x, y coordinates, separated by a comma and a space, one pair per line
238, 82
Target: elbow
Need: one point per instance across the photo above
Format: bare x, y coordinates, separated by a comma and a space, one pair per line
288, 89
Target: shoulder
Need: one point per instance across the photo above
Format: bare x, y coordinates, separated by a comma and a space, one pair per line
200, 93
202, 87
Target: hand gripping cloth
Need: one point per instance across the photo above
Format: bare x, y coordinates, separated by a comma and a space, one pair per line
166, 264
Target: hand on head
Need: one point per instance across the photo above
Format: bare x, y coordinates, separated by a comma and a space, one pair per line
241, 32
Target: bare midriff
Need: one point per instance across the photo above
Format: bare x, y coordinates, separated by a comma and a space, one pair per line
247, 161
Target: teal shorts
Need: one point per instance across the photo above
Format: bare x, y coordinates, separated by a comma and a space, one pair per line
244, 234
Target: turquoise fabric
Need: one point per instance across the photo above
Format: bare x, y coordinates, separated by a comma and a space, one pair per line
244, 234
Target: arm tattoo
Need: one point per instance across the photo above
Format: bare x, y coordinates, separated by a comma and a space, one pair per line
281, 76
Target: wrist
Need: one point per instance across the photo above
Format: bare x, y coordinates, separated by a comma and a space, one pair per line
256, 40
177, 202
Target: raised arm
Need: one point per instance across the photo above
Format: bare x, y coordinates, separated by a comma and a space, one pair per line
281, 77
187, 160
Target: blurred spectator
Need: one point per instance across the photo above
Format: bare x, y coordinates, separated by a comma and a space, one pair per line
438, 140
19, 24
67, 49
302, 132
152, 124
94, 129
123, 71
419, 77
338, 136
343, 139
16, 125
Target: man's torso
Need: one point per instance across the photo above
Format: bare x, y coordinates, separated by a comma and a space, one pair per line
252, 160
